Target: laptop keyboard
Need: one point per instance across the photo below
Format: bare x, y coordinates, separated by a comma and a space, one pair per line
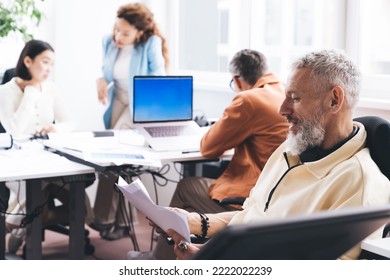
168, 131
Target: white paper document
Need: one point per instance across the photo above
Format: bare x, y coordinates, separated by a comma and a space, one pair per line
164, 218
120, 156
102, 150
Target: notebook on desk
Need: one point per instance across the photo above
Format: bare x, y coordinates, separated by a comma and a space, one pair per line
163, 112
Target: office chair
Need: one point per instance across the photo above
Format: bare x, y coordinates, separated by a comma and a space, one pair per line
8, 75
378, 142
213, 170
325, 235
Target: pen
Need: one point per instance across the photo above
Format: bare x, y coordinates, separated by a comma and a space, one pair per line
73, 149
110, 85
187, 152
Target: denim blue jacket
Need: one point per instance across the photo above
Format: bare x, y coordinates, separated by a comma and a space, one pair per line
146, 59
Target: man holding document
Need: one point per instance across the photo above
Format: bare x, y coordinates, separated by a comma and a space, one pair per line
323, 165
138, 196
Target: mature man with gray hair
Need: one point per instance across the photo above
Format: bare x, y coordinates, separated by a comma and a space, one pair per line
323, 165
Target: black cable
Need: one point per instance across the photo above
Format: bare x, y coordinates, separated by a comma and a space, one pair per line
180, 172
130, 172
5, 205
152, 239
127, 217
131, 229
29, 218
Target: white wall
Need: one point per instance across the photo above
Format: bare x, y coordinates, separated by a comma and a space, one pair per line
75, 29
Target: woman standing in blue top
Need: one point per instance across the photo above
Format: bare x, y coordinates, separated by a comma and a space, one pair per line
136, 47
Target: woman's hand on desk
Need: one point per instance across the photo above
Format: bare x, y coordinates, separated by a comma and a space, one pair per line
46, 130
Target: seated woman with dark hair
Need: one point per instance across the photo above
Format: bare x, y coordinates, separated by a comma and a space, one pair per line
31, 105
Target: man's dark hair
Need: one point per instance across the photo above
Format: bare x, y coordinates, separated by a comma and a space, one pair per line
250, 65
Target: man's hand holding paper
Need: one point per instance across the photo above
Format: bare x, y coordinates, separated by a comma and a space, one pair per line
163, 217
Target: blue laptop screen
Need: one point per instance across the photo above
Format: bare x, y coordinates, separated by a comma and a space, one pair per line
162, 98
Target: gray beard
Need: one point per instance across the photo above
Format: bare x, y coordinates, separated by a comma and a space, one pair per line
311, 135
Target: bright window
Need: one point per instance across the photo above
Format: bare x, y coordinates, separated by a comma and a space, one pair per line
374, 38
211, 31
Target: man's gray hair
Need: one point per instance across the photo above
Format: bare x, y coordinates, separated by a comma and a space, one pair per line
331, 68
250, 65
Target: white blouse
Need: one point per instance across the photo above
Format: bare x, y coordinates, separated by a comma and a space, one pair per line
121, 70
27, 113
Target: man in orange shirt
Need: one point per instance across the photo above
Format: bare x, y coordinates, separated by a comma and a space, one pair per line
251, 126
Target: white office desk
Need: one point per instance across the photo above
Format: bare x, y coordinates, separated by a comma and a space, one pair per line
380, 246
34, 165
125, 147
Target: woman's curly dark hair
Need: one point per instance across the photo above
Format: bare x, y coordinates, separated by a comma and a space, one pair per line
142, 19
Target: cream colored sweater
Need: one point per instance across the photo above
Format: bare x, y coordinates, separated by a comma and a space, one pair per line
348, 177
26, 113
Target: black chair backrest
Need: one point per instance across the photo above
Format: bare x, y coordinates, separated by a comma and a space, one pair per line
8, 75
378, 141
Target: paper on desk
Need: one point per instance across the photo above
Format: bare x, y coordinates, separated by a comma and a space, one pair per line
103, 150
166, 219
120, 156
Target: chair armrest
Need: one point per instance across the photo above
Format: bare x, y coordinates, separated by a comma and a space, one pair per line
194, 239
232, 200
386, 230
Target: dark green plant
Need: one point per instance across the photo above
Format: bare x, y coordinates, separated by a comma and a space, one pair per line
16, 16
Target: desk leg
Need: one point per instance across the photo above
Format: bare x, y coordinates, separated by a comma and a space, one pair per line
2, 223
34, 197
76, 221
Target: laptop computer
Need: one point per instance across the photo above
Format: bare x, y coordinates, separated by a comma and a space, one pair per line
163, 112
320, 236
